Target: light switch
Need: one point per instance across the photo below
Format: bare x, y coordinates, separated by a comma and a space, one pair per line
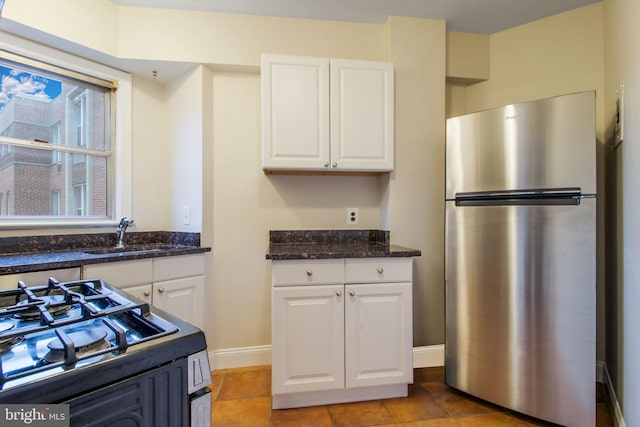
186, 216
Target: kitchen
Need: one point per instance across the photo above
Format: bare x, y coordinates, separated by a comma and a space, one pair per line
204, 104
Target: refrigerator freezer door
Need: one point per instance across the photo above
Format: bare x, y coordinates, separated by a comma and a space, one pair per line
520, 307
548, 143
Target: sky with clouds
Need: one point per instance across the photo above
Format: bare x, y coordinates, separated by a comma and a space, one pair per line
14, 81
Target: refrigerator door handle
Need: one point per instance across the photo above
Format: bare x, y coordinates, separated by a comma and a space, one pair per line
554, 196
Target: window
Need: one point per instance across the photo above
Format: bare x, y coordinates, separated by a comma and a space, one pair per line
79, 203
58, 162
56, 139
55, 202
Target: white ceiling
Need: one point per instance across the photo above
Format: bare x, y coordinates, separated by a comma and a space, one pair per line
474, 16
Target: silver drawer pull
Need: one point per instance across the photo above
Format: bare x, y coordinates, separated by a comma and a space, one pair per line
147, 293
352, 293
309, 273
339, 293
380, 270
161, 290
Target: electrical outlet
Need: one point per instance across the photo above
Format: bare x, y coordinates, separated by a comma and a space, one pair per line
353, 215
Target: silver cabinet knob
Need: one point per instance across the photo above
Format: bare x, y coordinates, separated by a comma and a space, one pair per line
309, 273
161, 290
339, 293
335, 165
380, 270
326, 165
352, 293
147, 293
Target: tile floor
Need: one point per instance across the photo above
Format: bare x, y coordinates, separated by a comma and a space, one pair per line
241, 397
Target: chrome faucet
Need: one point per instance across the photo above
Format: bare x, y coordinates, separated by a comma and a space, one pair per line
122, 227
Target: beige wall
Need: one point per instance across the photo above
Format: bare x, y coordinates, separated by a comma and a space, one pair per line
150, 191
557, 55
622, 62
416, 188
468, 57
554, 56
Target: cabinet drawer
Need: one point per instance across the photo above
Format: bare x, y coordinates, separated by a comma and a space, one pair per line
121, 274
372, 270
170, 268
307, 272
35, 278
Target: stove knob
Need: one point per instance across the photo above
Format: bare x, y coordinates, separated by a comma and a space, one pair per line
161, 290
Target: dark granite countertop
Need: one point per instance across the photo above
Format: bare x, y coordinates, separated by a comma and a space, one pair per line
37, 253
323, 244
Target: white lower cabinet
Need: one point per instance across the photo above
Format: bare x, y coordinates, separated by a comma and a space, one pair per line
378, 334
174, 284
308, 338
341, 342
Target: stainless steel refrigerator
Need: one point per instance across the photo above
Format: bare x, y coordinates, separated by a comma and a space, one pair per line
521, 257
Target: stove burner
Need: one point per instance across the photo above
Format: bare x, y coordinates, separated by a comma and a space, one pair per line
5, 326
33, 312
7, 343
83, 341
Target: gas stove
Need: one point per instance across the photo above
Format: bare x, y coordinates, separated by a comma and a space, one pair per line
62, 342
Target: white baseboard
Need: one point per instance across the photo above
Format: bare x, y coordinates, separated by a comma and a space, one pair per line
240, 357
428, 356
617, 412
423, 357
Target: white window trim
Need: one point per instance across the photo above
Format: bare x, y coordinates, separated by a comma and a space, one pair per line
122, 175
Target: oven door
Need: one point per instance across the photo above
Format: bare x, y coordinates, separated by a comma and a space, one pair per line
157, 398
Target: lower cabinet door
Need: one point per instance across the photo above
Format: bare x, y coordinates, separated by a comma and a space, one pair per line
307, 338
182, 298
379, 338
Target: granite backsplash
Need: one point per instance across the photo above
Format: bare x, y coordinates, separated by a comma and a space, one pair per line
36, 244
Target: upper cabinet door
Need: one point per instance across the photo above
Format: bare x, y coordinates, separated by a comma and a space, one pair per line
295, 112
362, 115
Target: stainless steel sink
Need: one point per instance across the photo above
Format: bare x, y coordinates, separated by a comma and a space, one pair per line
129, 249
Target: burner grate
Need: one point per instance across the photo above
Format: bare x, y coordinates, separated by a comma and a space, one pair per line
36, 308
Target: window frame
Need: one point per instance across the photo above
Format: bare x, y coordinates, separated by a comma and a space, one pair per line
119, 168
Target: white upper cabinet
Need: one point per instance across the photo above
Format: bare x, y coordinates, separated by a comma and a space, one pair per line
321, 114
362, 115
295, 112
